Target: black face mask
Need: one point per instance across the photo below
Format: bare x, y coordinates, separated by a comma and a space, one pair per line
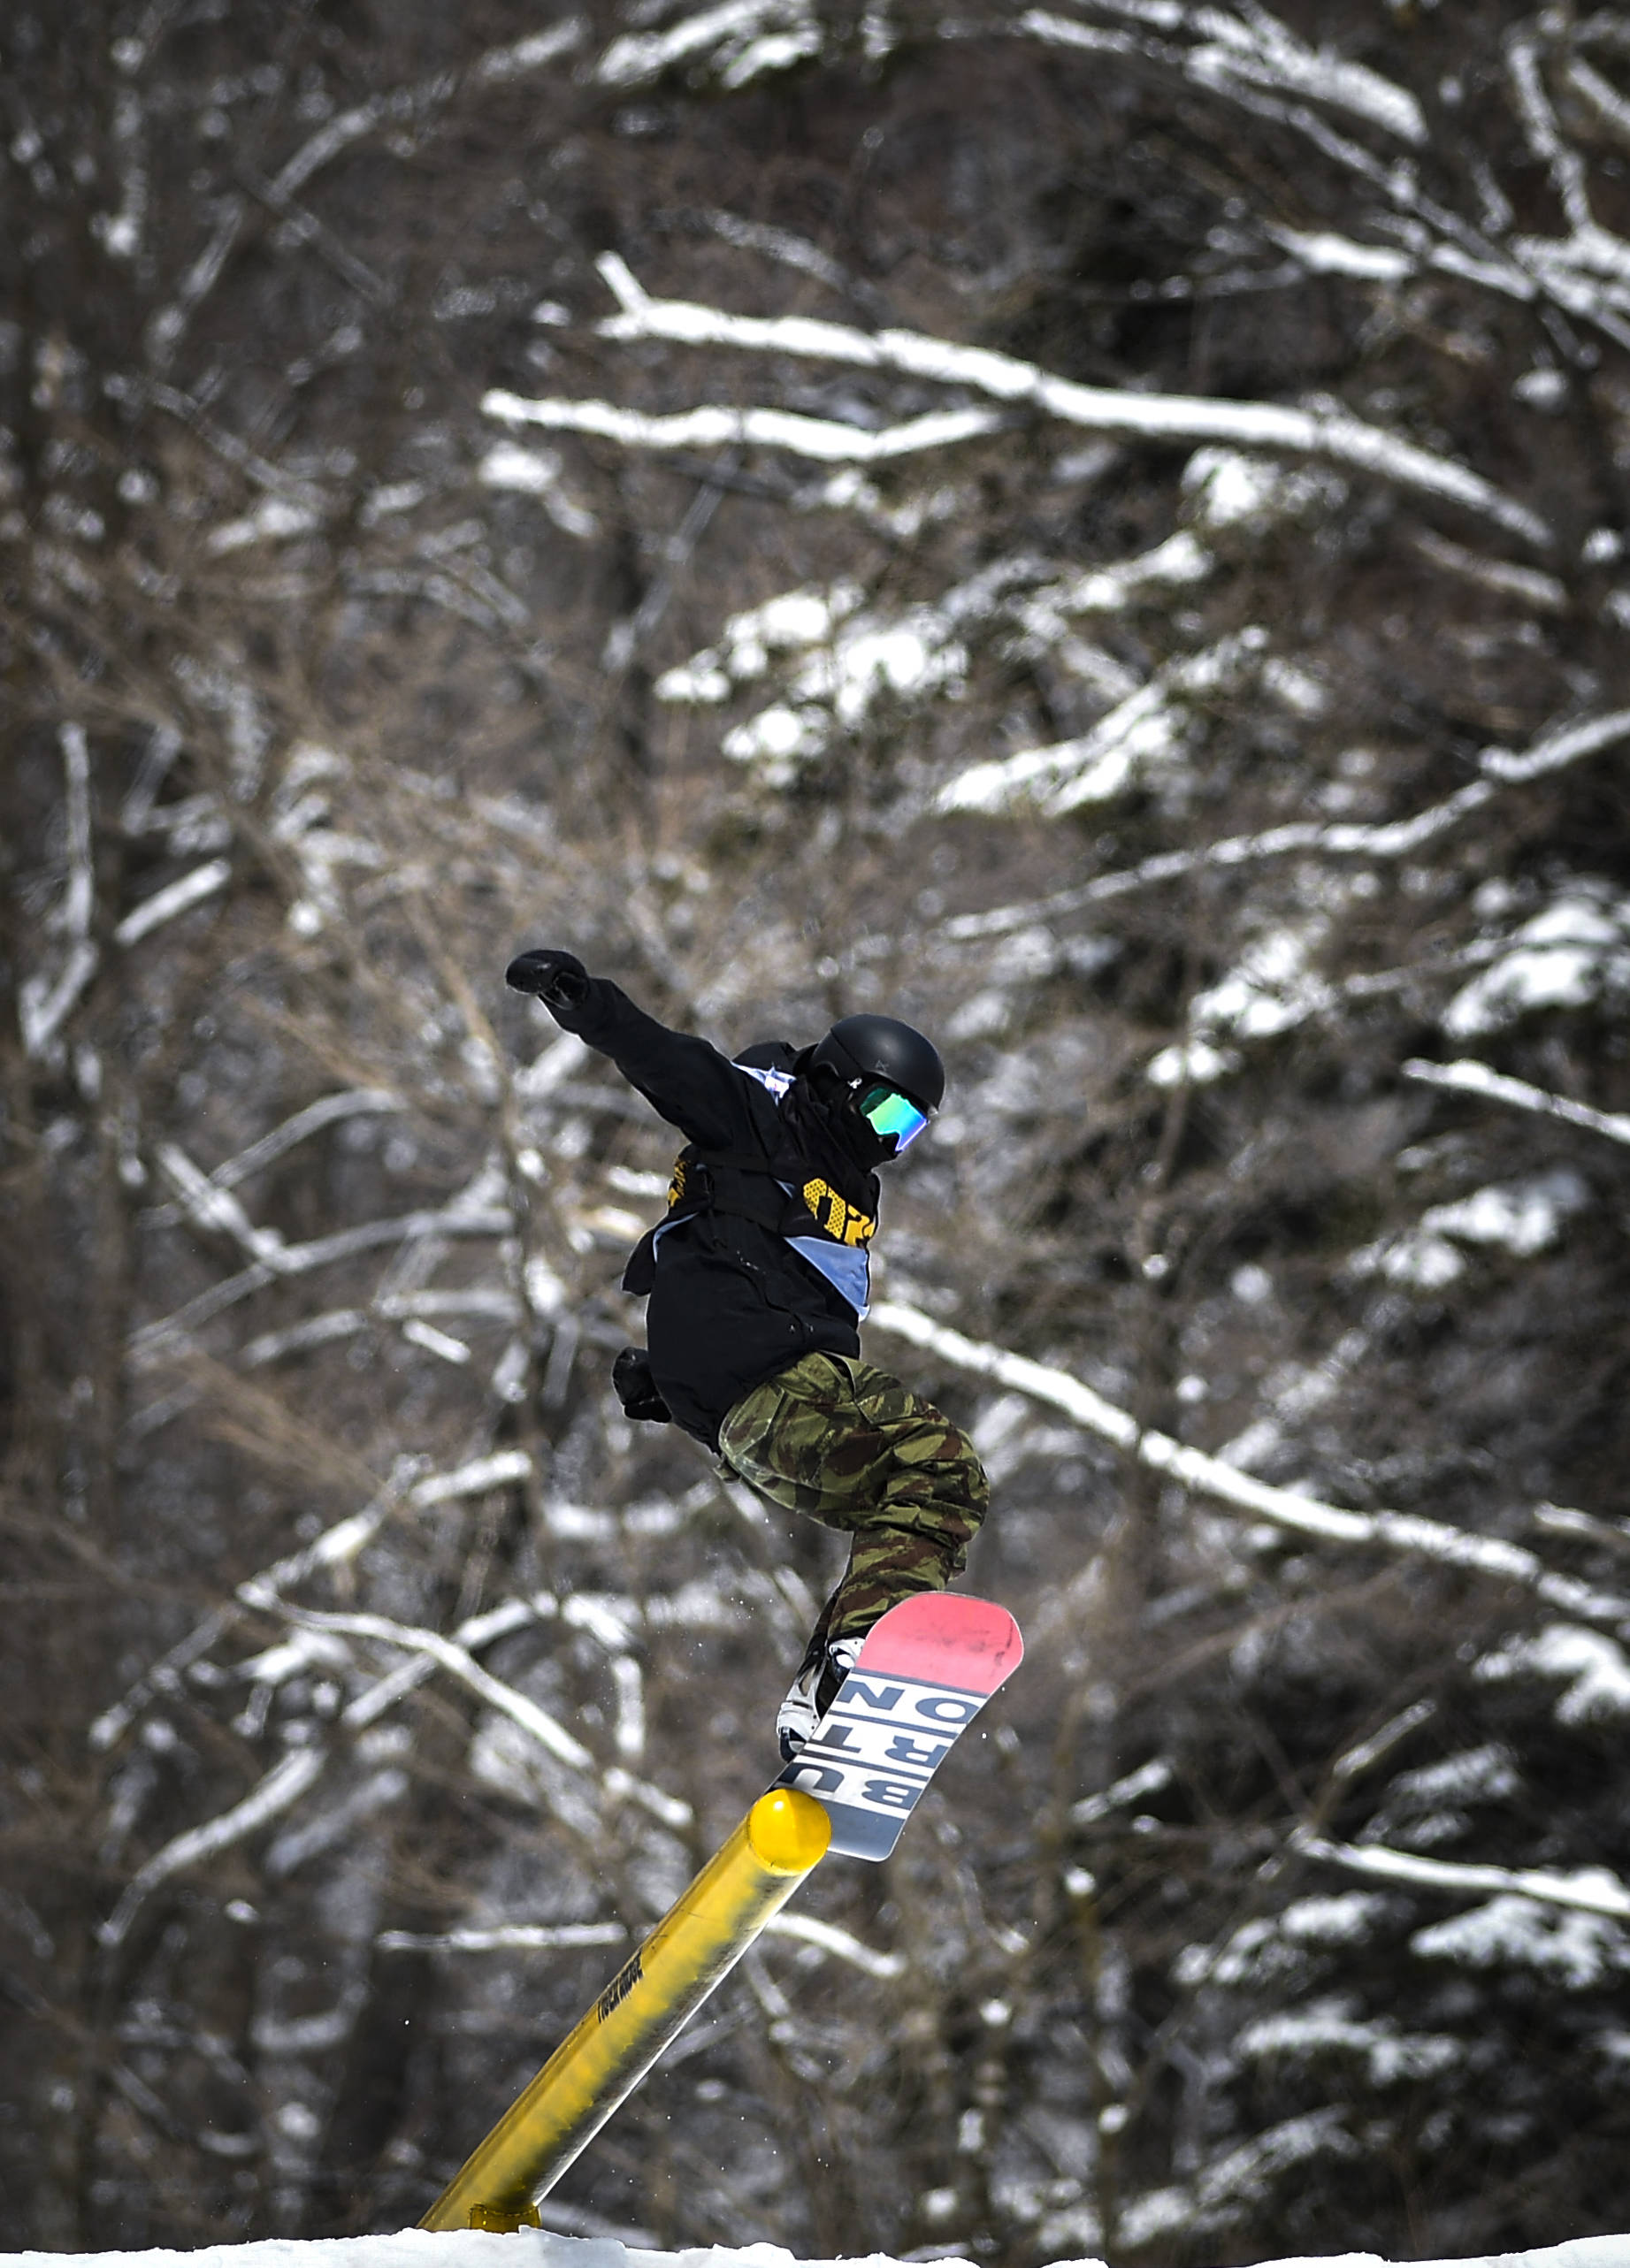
818, 1108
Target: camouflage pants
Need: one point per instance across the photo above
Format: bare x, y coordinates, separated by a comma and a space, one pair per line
851, 1447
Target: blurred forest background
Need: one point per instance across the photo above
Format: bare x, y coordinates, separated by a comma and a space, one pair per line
1097, 528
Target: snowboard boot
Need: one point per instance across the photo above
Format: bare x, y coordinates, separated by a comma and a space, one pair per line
812, 1693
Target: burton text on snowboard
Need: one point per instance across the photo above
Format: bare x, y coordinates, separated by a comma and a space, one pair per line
925, 1671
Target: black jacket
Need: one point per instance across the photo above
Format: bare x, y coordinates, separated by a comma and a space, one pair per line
731, 1301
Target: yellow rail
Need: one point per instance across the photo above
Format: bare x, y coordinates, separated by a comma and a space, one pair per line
696, 1944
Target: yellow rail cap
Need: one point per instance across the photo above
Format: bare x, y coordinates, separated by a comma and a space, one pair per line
788, 1830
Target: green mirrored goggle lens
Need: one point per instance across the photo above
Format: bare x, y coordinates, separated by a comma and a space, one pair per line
887, 1112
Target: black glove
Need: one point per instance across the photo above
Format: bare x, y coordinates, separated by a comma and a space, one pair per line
636, 1388
559, 979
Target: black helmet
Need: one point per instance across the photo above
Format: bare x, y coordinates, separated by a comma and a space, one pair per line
880, 1047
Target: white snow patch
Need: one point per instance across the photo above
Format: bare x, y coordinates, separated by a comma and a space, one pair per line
1192, 1063
698, 681
1267, 55
1148, 1780
120, 234
910, 656
1270, 990
536, 472
1141, 740
1573, 1950
778, 52
1424, 1263
712, 425
1573, 953
1420, 1809
1327, 253
274, 520
1180, 561
1145, 2217
850, 490
852, 661
1302, 692
392, 496
739, 33
1484, 1775
175, 897
777, 739
1017, 963
1542, 388
1277, 1945
300, 1651
1595, 1667
1522, 1218
1328, 2027
1139, 735
1228, 490
792, 622
1222, 2191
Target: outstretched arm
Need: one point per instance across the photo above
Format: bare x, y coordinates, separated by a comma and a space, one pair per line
685, 1079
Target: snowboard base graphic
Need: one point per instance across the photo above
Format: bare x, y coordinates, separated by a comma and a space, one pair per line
923, 1674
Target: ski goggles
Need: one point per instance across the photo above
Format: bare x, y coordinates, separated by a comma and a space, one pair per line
888, 1112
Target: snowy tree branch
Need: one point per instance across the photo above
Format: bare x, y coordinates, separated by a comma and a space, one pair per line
1469, 1078
532, 1936
1251, 47
1592, 1891
337, 1546
299, 1259
504, 1937
1436, 237
1392, 839
718, 427
804, 1929
191, 890
459, 1663
327, 1111
1388, 839
402, 105
1400, 1532
211, 1207
1588, 737
1332, 433
783, 31
44, 1005
281, 1789
458, 1660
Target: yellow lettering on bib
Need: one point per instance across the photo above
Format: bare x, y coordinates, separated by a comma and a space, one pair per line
840, 1219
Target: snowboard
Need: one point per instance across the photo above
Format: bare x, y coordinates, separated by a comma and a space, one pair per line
926, 1669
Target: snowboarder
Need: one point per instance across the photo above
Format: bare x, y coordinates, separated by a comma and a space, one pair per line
758, 1279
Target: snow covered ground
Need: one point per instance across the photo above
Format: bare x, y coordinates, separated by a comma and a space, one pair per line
542, 2249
